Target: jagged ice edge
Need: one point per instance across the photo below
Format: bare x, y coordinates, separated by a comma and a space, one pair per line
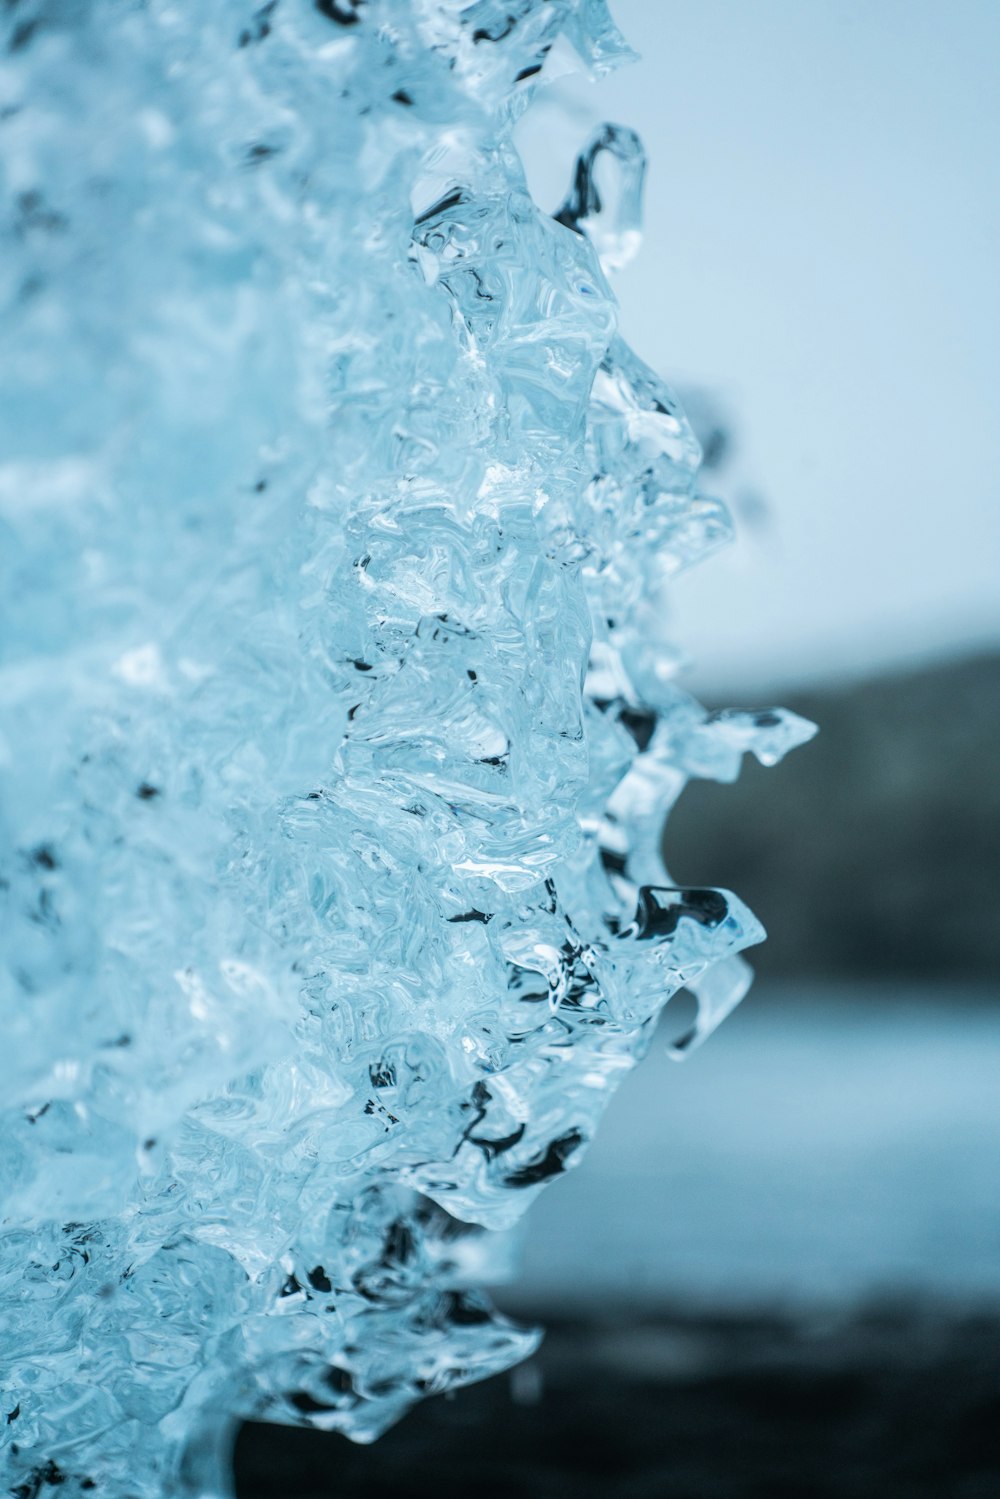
338, 720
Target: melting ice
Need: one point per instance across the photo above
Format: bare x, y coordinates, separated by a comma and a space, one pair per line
338, 718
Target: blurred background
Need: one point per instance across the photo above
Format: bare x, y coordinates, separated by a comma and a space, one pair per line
777, 1272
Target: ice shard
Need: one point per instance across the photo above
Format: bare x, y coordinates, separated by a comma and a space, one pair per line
339, 721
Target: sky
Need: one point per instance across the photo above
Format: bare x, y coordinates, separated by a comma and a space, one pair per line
822, 256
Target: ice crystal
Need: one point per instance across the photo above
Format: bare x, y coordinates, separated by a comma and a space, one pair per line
338, 720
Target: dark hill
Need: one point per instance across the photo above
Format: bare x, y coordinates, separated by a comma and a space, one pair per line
874, 851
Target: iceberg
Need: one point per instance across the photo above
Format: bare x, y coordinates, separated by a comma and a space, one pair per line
338, 713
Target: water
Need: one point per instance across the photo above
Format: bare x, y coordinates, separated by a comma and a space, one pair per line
825, 1146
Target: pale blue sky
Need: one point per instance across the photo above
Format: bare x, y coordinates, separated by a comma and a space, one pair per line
823, 228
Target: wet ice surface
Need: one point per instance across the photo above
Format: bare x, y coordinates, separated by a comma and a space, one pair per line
831, 1145
338, 522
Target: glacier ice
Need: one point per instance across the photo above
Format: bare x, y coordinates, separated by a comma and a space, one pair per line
338, 717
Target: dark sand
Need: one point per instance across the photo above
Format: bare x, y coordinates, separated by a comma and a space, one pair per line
893, 1402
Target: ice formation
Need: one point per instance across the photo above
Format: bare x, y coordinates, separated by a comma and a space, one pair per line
338, 723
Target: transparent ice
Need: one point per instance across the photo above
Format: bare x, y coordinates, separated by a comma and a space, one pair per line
338, 718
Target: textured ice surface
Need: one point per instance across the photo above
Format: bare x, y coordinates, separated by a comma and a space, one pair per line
338, 722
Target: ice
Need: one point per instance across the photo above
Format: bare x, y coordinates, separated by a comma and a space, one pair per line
339, 720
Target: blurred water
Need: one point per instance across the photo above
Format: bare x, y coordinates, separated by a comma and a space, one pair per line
825, 1145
